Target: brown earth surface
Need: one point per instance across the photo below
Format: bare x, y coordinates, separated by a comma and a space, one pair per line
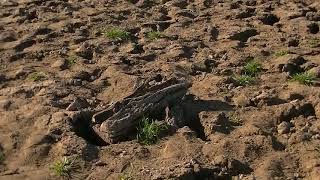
54, 51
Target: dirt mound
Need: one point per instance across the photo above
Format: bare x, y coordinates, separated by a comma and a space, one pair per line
252, 110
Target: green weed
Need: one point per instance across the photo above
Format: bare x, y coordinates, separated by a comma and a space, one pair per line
117, 34
313, 43
252, 68
72, 60
235, 120
149, 131
281, 53
62, 168
37, 76
154, 35
304, 78
244, 80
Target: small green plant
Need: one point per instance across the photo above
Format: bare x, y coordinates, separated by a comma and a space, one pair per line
244, 79
252, 68
154, 35
72, 60
125, 177
37, 76
304, 78
235, 120
281, 53
117, 34
62, 168
313, 43
149, 131
2, 157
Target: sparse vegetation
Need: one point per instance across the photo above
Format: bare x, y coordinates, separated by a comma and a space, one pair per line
313, 43
244, 79
37, 76
304, 78
235, 120
252, 68
62, 168
154, 35
71, 60
125, 177
149, 131
117, 34
281, 53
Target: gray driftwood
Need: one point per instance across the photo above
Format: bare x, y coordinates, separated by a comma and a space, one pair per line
116, 122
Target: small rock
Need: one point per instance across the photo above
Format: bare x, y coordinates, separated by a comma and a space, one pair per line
284, 127
315, 71
85, 50
82, 75
313, 16
242, 100
78, 104
186, 131
5, 104
7, 37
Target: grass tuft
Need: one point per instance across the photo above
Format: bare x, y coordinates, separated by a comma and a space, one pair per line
252, 68
244, 79
62, 168
149, 131
72, 60
37, 76
117, 34
304, 78
154, 35
313, 43
281, 53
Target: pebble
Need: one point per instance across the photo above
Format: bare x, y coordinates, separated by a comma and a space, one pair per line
284, 127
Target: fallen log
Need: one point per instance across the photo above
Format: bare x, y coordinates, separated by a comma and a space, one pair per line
116, 122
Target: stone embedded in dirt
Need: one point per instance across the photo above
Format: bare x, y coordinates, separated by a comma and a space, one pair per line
186, 132
315, 71
246, 13
78, 104
5, 104
284, 127
244, 35
83, 75
8, 36
214, 123
290, 63
313, 16
309, 65
203, 66
85, 50
293, 96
